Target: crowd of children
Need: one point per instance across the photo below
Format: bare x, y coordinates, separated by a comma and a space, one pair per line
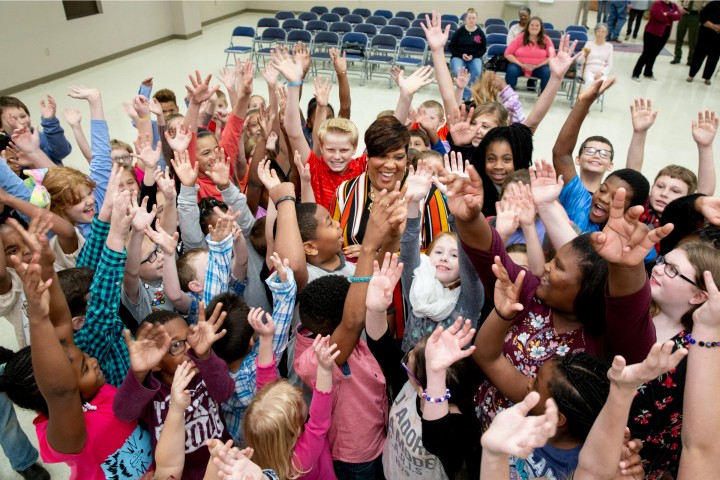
238, 295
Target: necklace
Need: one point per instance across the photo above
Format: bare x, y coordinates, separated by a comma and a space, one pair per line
371, 197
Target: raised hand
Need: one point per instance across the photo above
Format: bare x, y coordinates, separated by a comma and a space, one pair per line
290, 68
122, 211
389, 211
141, 217
155, 107
131, 112
200, 90
301, 54
709, 207
72, 116
625, 240
49, 109
81, 92
419, 79
165, 184
507, 293
270, 74
141, 106
146, 154
596, 89
642, 114
36, 291
151, 344
564, 58
235, 465
507, 220
322, 91
281, 93
219, 173
181, 140
339, 61
545, 186
460, 125
228, 77
434, 34
465, 193
522, 196
205, 333
186, 172
462, 78
267, 175
266, 330
325, 353
383, 282
513, 432
661, 359
709, 312
418, 182
280, 266
179, 396
247, 77
25, 140
303, 169
168, 243
705, 128
630, 466
224, 226
445, 347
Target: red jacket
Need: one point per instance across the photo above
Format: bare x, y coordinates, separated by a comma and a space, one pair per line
662, 16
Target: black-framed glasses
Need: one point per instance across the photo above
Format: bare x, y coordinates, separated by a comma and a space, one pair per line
671, 271
600, 151
122, 159
153, 255
404, 363
178, 347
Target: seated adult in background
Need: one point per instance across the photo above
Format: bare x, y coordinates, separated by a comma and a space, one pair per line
518, 28
597, 58
529, 54
467, 46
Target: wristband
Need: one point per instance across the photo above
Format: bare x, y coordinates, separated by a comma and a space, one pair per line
282, 199
438, 399
146, 116
360, 279
701, 343
506, 319
294, 84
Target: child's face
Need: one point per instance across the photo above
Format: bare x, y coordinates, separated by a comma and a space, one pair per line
499, 161
12, 118
151, 266
328, 234
199, 265
484, 123
159, 207
128, 180
256, 101
434, 162
432, 119
337, 151
121, 156
444, 257
665, 190
252, 126
595, 163
417, 143
205, 153
87, 371
178, 331
520, 259
84, 210
602, 198
169, 108
221, 112
541, 384
173, 126
14, 245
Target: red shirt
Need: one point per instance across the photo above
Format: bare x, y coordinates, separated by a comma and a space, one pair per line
325, 181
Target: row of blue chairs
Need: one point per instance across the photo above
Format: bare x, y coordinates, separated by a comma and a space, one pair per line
329, 18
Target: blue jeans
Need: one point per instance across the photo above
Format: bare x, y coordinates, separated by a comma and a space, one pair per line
616, 21
602, 11
474, 66
514, 72
14, 442
372, 470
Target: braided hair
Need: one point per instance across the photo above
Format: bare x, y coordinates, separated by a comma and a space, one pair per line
18, 381
580, 387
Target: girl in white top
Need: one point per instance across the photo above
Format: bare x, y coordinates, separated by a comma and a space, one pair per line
598, 58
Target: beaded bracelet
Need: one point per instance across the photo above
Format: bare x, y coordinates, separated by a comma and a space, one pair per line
701, 343
294, 84
438, 399
360, 279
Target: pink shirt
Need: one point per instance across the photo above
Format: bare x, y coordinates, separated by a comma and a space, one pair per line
359, 405
531, 53
113, 449
312, 450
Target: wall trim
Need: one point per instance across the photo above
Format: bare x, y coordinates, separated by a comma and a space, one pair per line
223, 17
96, 62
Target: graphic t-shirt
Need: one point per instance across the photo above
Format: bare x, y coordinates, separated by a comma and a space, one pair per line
113, 450
547, 462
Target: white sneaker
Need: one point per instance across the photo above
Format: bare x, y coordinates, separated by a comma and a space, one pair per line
637, 79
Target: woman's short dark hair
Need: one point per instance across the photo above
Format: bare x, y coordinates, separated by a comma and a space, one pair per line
386, 134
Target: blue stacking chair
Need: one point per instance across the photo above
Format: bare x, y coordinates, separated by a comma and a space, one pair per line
548, 26
363, 12
353, 19
404, 14
319, 9
320, 51
307, 16
496, 38
340, 27
403, 23
367, 28
445, 23
355, 60
284, 15
555, 36
494, 21
293, 24
513, 22
412, 52
330, 17
315, 26
416, 23
384, 13
415, 32
239, 32
376, 20
450, 17
295, 36
396, 32
268, 39
266, 22
342, 11
383, 51
496, 29
575, 28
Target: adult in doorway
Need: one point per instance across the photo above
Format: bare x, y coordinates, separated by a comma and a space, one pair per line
662, 15
689, 24
530, 54
467, 47
517, 29
635, 15
616, 19
708, 42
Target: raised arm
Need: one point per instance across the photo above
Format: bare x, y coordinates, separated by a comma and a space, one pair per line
74, 118
293, 73
199, 92
559, 62
704, 130
643, 117
322, 96
340, 64
437, 38
545, 191
409, 86
28, 144
141, 218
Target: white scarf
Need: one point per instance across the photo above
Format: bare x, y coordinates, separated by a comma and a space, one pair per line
428, 297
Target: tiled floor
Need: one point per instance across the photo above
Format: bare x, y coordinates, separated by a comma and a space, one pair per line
669, 141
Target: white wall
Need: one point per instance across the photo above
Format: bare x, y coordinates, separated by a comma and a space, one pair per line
212, 9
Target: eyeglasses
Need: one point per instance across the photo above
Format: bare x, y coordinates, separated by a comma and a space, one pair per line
404, 363
152, 257
671, 270
122, 159
600, 151
178, 347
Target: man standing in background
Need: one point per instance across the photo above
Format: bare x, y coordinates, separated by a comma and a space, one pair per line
689, 23
616, 19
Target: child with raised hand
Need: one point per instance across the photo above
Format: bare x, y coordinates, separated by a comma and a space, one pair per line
26, 143
160, 347
440, 285
170, 448
14, 114
274, 424
235, 464
75, 424
74, 118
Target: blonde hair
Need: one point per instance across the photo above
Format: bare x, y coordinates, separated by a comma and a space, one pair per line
120, 145
66, 188
493, 108
272, 425
428, 104
340, 126
250, 144
681, 173
484, 89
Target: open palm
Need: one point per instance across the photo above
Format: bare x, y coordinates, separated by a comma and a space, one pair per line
148, 348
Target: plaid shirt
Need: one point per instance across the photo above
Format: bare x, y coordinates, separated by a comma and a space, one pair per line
95, 242
102, 335
218, 269
245, 383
